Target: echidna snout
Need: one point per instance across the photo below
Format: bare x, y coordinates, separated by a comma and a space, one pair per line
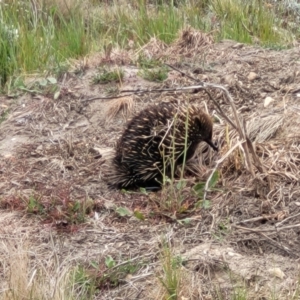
213, 145
155, 141
205, 127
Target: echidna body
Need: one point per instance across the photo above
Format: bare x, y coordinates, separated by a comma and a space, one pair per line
154, 142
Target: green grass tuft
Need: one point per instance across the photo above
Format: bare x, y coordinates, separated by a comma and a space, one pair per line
248, 22
171, 274
106, 76
155, 74
34, 37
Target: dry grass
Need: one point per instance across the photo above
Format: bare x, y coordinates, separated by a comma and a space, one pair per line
30, 273
190, 43
188, 39
123, 105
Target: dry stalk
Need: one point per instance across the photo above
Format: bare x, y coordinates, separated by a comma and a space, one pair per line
124, 104
272, 241
291, 217
254, 219
238, 126
218, 162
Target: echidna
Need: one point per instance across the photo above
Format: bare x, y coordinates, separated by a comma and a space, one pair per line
153, 144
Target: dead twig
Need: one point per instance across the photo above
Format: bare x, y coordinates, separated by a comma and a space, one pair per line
272, 241
279, 224
184, 74
255, 219
288, 227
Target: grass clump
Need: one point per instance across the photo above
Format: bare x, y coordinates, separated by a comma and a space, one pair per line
152, 69
59, 208
23, 280
139, 22
155, 74
248, 22
145, 63
245, 21
36, 35
112, 273
82, 283
107, 76
171, 274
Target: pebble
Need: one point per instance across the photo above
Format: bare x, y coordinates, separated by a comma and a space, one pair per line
252, 76
267, 101
229, 79
277, 272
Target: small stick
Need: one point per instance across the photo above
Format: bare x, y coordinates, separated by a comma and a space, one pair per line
186, 75
286, 249
288, 227
140, 91
254, 219
279, 224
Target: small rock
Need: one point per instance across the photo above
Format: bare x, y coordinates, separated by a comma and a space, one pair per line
96, 216
109, 204
128, 277
277, 272
252, 76
229, 79
267, 101
238, 46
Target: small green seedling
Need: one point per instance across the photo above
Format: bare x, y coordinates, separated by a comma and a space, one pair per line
107, 76
157, 74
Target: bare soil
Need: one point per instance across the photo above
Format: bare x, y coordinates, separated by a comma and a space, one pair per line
51, 151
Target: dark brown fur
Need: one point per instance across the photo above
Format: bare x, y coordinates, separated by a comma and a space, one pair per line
154, 140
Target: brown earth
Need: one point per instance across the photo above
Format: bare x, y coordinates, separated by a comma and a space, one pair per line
51, 153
